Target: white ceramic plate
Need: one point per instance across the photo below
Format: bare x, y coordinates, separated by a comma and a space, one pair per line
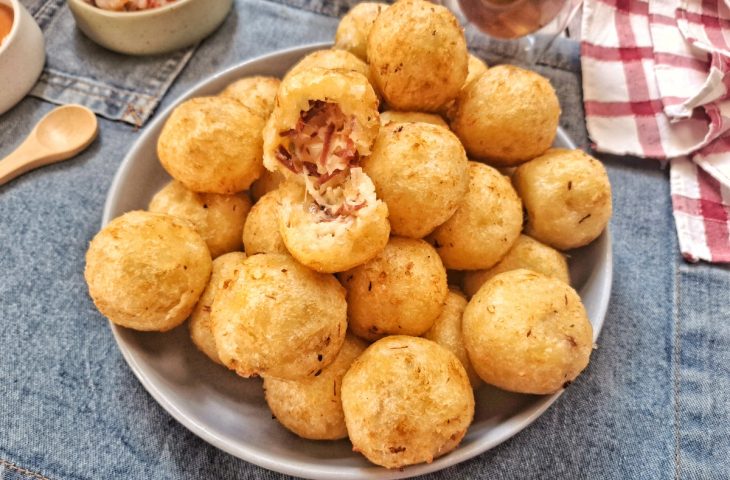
230, 412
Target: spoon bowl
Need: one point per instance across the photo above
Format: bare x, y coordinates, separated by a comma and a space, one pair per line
69, 128
59, 135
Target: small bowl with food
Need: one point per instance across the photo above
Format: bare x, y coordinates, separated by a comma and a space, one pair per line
148, 27
22, 53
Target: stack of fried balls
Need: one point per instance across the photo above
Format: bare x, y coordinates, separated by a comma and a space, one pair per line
311, 221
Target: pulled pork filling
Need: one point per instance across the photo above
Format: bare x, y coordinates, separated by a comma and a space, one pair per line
320, 149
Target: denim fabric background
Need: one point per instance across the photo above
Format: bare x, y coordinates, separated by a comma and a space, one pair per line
653, 403
77, 70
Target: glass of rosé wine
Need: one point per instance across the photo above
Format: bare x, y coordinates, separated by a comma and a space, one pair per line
532, 24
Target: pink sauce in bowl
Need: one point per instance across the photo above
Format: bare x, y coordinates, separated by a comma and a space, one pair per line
128, 5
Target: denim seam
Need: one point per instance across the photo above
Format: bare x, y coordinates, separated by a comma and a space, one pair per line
22, 471
50, 74
676, 366
45, 14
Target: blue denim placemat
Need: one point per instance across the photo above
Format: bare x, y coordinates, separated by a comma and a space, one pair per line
77, 70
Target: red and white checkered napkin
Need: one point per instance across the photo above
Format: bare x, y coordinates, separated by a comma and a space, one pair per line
656, 84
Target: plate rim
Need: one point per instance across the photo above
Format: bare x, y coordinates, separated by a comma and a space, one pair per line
258, 456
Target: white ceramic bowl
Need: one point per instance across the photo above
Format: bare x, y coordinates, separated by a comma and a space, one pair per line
230, 412
22, 56
148, 32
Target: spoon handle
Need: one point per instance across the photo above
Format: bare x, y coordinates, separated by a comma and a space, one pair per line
26, 157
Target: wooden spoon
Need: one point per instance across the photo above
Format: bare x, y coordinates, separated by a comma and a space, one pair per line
61, 134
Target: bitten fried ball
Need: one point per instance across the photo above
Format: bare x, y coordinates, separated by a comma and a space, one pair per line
337, 244
506, 116
279, 319
354, 28
394, 116
324, 123
406, 400
527, 333
146, 271
417, 54
256, 93
526, 253
267, 182
446, 331
567, 196
213, 145
225, 268
218, 218
312, 407
486, 224
421, 172
400, 291
331, 59
261, 231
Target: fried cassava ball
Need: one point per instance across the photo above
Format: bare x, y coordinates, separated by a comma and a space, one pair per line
354, 28
406, 400
485, 225
526, 253
146, 271
312, 407
279, 319
394, 116
261, 231
400, 291
527, 333
506, 116
417, 55
331, 59
225, 268
218, 218
421, 172
256, 93
446, 331
213, 145
567, 196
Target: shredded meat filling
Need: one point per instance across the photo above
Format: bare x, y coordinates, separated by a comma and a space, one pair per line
321, 149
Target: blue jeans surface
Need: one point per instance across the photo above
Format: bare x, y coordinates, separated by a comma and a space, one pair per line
652, 404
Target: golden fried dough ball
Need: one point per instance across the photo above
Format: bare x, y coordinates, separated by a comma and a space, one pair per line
256, 93
567, 196
261, 232
309, 103
146, 271
312, 407
406, 400
354, 28
225, 268
333, 244
421, 172
417, 54
278, 318
267, 182
486, 224
475, 68
394, 116
527, 333
446, 331
400, 291
331, 59
212, 144
506, 116
218, 218
526, 253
